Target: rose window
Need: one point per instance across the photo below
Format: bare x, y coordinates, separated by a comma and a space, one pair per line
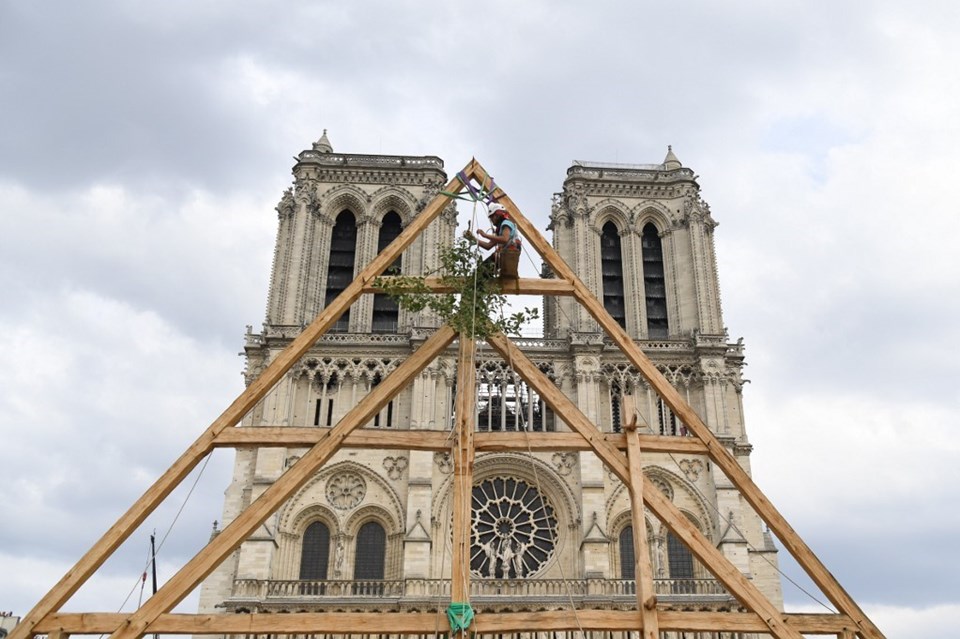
346, 490
514, 529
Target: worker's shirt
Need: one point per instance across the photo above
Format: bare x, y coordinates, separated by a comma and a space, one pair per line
513, 240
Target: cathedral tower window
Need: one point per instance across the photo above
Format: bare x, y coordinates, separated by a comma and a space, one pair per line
386, 312
654, 283
371, 552
385, 417
506, 404
343, 249
679, 558
611, 267
628, 561
315, 553
326, 401
616, 412
666, 419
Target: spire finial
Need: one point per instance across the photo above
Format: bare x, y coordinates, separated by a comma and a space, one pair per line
323, 144
671, 162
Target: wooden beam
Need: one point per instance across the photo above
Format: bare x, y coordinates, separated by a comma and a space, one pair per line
438, 440
738, 585
522, 286
258, 389
463, 470
412, 623
204, 562
643, 570
718, 453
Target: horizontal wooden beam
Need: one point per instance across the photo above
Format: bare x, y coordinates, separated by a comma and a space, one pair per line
427, 622
522, 286
439, 440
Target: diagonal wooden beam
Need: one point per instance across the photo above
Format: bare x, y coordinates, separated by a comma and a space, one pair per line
204, 562
827, 583
738, 585
175, 474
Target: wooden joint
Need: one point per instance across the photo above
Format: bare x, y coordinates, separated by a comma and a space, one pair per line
629, 411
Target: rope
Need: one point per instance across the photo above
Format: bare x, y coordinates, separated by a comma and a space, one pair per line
166, 534
536, 478
733, 525
761, 554
483, 194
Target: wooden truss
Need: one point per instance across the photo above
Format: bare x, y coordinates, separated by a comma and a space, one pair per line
155, 616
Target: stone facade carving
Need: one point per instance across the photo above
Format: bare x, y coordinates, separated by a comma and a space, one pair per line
346, 490
395, 466
444, 462
691, 468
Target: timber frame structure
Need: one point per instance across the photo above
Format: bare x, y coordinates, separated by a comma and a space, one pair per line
154, 615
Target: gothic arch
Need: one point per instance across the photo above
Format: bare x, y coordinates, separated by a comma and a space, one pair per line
611, 211
346, 196
619, 523
292, 525
298, 522
651, 212
519, 466
625, 518
393, 198
685, 497
310, 493
372, 512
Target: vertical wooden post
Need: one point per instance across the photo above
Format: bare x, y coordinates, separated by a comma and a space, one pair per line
463, 470
643, 570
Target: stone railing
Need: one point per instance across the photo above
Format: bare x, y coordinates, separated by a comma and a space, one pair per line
480, 589
697, 587
377, 161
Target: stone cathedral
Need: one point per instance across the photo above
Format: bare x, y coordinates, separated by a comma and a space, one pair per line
372, 530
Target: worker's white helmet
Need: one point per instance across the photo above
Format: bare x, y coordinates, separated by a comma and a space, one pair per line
493, 208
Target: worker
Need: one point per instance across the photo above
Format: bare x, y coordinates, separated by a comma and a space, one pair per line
504, 240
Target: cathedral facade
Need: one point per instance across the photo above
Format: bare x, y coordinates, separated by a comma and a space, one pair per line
551, 530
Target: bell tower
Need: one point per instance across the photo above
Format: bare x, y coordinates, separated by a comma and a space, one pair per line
641, 237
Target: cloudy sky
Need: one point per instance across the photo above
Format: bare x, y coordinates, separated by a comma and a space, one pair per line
143, 146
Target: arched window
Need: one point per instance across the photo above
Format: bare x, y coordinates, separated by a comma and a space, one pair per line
654, 284
343, 249
628, 560
315, 554
371, 552
611, 265
616, 412
386, 313
679, 558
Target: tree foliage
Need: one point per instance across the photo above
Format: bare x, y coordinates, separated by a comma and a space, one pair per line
476, 309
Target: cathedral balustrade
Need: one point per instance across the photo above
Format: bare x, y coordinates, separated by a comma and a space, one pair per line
480, 589
377, 161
